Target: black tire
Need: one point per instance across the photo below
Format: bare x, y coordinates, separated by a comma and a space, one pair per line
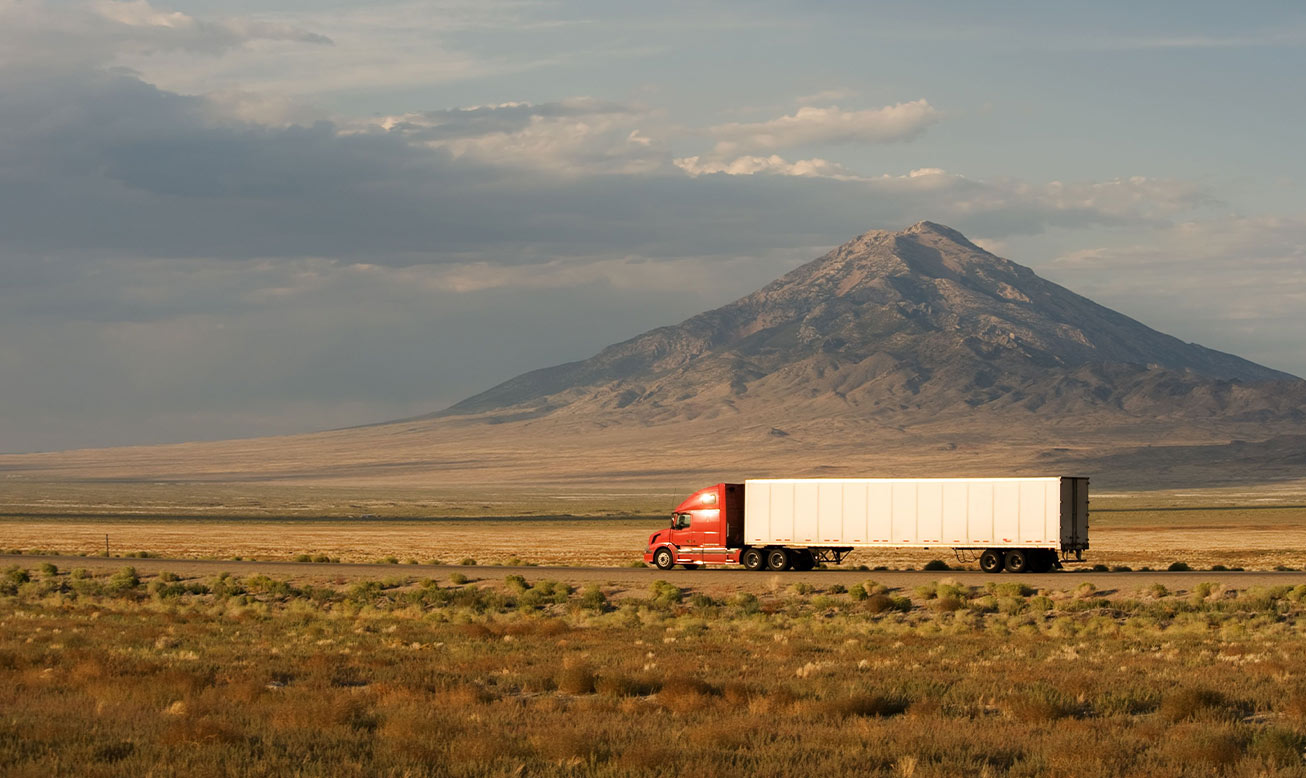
1042, 560
777, 559
804, 560
753, 559
1017, 561
991, 561
664, 559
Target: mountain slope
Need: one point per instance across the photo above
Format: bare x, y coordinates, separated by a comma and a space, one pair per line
899, 323
897, 354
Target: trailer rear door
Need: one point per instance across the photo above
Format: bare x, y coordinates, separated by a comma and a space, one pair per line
1074, 513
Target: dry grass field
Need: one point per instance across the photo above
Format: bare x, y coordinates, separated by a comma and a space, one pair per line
126, 675
1256, 528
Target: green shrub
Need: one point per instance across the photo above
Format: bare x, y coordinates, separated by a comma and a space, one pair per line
124, 580
700, 600
1179, 567
936, 564
882, 603
664, 593
1009, 589
457, 578
593, 598
13, 577
837, 589
49, 570
746, 602
303, 557
467, 562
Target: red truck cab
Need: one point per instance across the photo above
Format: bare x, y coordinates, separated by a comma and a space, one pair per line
706, 529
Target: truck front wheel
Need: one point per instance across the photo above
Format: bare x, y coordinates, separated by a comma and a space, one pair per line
664, 559
777, 559
991, 561
753, 559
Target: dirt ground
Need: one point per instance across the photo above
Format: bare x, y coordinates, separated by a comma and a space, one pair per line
632, 580
1200, 539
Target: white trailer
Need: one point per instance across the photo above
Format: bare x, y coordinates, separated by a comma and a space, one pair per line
1016, 524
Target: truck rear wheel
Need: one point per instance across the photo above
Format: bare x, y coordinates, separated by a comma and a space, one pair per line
664, 559
1017, 561
753, 559
991, 561
777, 559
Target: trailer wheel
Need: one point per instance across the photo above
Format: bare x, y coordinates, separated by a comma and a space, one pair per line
1042, 560
664, 559
1017, 561
753, 559
991, 561
804, 560
777, 559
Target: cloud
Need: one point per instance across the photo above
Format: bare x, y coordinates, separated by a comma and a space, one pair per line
36, 35
810, 125
772, 165
572, 136
175, 246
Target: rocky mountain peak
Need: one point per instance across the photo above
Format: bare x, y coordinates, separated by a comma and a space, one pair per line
911, 320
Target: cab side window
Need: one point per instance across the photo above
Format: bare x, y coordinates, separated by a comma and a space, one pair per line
682, 521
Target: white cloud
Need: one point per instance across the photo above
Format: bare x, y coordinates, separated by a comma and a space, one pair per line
36, 35
574, 136
832, 125
774, 164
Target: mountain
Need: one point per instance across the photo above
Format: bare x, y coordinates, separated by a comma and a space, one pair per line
896, 354
901, 326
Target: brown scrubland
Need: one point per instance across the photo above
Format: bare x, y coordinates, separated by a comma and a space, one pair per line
125, 674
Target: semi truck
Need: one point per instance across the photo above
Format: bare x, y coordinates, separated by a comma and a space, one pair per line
1013, 524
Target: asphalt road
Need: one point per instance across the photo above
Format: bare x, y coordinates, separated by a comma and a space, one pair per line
729, 579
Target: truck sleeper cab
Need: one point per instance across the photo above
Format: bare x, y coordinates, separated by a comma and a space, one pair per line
1013, 524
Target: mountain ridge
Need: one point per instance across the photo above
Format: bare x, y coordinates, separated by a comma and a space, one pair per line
896, 354
925, 305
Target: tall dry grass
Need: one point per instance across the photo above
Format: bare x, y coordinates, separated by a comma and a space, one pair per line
114, 676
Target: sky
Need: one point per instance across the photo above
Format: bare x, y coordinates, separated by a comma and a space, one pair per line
238, 218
